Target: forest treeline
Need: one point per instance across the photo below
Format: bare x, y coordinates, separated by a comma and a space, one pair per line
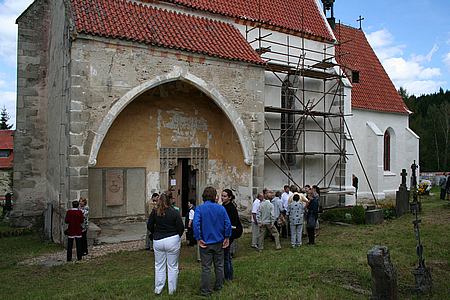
431, 121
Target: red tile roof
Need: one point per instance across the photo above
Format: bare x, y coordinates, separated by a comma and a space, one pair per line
375, 90
7, 143
283, 14
141, 23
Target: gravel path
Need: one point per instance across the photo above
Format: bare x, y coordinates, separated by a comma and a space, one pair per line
59, 258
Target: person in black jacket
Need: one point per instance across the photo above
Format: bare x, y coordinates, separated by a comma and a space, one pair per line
166, 225
313, 213
236, 226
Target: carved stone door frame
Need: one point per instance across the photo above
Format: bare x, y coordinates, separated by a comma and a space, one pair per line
197, 159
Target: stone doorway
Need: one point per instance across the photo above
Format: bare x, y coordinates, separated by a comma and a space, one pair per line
183, 171
183, 184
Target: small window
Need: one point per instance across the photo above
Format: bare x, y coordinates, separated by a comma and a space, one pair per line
387, 151
355, 76
5, 152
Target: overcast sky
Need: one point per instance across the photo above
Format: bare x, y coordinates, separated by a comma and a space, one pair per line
410, 37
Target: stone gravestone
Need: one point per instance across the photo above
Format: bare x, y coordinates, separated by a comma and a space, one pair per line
384, 276
402, 197
374, 216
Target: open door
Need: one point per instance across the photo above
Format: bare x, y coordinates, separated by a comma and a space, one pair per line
182, 183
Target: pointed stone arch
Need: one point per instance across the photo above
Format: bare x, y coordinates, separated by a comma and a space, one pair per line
177, 73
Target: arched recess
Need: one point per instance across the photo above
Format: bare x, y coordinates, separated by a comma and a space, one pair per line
177, 73
389, 150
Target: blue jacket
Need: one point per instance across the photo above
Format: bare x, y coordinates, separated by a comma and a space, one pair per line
211, 223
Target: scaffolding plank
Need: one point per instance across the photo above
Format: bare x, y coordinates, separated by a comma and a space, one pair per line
274, 109
282, 68
310, 153
317, 74
279, 68
324, 65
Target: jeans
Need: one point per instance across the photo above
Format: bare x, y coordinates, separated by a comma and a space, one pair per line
213, 253
167, 252
70, 246
296, 234
311, 234
227, 263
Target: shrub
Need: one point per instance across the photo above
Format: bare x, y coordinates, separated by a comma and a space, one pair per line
387, 203
388, 207
358, 214
389, 213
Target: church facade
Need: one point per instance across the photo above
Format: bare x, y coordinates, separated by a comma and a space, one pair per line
379, 122
119, 99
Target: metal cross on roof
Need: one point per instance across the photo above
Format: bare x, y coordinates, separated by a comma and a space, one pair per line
360, 22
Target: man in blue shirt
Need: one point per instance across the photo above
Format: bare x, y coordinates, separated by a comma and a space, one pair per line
212, 230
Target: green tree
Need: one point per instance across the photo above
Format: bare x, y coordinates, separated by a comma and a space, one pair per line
4, 118
431, 121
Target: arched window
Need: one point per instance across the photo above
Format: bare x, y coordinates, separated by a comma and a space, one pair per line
387, 151
288, 122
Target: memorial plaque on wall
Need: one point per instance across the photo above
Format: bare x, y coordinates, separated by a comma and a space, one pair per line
114, 187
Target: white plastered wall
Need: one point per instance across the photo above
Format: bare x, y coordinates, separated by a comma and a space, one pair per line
368, 128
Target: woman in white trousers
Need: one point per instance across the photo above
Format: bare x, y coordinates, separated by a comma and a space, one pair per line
167, 227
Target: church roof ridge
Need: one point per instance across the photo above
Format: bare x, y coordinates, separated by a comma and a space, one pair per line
274, 14
137, 22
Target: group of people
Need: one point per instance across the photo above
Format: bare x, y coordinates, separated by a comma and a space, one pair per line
286, 214
211, 227
77, 219
444, 184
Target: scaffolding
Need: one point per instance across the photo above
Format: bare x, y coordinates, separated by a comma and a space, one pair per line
309, 122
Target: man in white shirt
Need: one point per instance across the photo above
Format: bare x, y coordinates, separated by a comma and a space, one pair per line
285, 196
255, 227
285, 199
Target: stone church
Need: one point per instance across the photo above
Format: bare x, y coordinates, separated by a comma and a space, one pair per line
118, 99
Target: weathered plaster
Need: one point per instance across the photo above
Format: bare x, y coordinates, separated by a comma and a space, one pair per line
178, 73
175, 115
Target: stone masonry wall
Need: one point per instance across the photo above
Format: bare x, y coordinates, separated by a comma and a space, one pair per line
58, 107
30, 142
103, 71
5, 181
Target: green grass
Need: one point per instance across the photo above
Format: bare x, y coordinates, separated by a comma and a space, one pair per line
323, 271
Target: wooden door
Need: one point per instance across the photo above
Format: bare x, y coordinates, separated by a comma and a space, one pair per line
176, 181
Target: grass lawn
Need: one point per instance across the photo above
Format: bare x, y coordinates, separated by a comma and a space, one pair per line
335, 268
